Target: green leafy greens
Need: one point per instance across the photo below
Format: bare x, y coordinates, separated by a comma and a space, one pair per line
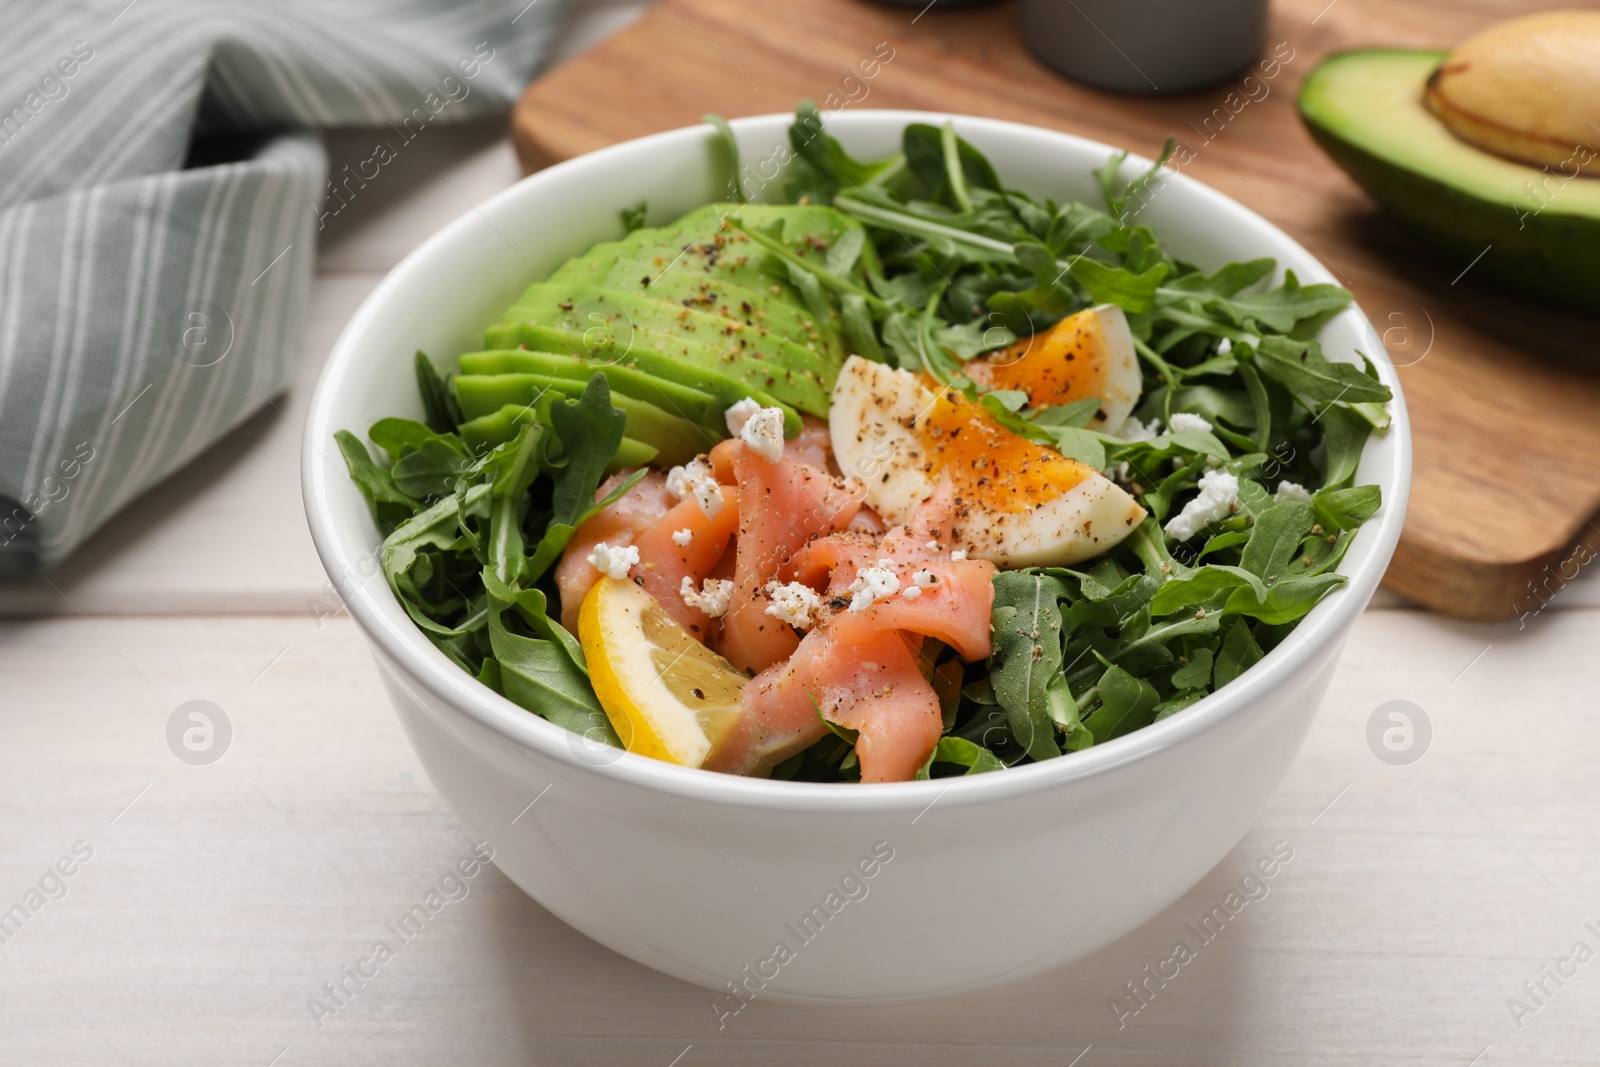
948, 263
960, 265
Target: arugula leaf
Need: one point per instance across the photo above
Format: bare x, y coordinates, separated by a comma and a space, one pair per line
1275, 540
1226, 280
1202, 585
1301, 368
589, 430
558, 534
1085, 446
633, 218
823, 166
431, 470
1107, 284
438, 400
1126, 703
1239, 653
1346, 509
1073, 414
400, 436
729, 145
543, 675
1109, 176
1196, 674
375, 483
859, 334
962, 753
435, 527
1285, 307
1026, 656
1287, 600
1344, 434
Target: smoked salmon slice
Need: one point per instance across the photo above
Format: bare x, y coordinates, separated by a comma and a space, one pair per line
625, 519
860, 668
783, 505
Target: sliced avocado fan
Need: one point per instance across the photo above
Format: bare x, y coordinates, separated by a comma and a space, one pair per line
695, 305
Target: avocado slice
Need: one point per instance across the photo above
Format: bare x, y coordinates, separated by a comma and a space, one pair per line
676, 358
1365, 108
631, 453
696, 293
677, 440
783, 337
695, 405
598, 352
692, 245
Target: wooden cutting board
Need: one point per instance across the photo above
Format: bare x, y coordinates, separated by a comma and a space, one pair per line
1505, 414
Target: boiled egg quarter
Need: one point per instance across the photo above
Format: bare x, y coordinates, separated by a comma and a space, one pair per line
1017, 503
1089, 354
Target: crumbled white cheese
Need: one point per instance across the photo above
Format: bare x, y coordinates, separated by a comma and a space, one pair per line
682, 537
1291, 491
1219, 492
694, 479
763, 432
873, 583
740, 414
680, 480
1134, 430
1182, 421
713, 597
709, 496
911, 592
614, 562
932, 546
1224, 346
795, 603
919, 581
959, 554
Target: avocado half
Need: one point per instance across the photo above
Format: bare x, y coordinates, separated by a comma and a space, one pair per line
1366, 109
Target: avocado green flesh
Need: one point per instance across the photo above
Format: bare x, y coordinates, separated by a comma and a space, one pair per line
690, 246
1541, 228
728, 389
632, 453
695, 405
694, 294
486, 395
770, 372
712, 308
709, 334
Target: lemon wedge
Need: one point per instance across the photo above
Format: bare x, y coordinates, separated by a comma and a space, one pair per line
667, 695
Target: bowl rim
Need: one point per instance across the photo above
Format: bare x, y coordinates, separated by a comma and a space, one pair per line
392, 632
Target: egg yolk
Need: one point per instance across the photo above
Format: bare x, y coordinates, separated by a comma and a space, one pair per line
1066, 363
986, 461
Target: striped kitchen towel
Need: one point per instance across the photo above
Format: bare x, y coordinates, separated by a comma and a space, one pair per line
161, 187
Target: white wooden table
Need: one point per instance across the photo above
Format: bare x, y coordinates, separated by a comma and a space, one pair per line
216, 900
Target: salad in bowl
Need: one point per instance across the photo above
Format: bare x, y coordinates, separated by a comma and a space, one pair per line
910, 475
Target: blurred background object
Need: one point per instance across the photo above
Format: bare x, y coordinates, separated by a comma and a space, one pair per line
1146, 46
161, 189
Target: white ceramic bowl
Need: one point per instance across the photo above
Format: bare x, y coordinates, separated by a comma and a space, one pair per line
974, 881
